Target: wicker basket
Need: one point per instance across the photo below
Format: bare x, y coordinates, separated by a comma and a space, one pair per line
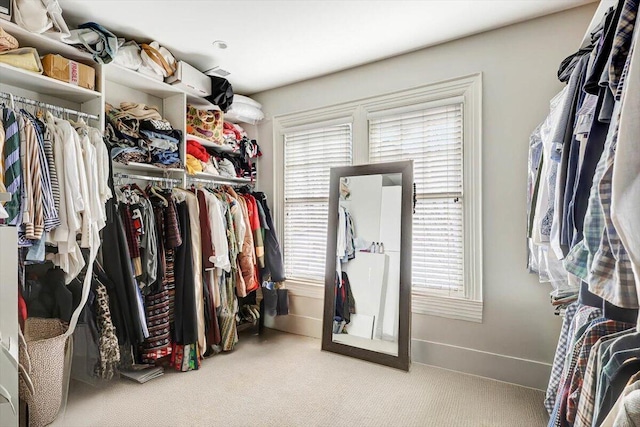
46, 348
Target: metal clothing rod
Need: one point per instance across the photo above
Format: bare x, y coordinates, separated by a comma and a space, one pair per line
145, 178
219, 181
48, 106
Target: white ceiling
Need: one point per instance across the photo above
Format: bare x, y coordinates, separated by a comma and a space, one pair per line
274, 43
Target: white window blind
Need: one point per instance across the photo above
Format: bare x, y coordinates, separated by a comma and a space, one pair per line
433, 139
308, 155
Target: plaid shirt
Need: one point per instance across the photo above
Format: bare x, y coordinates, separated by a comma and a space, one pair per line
584, 413
584, 316
611, 276
558, 360
593, 334
622, 42
558, 418
583, 398
580, 259
623, 77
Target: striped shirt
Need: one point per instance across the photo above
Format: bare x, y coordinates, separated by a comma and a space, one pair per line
47, 139
2, 136
12, 166
51, 218
32, 212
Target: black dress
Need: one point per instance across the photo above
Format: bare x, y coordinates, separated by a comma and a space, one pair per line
186, 323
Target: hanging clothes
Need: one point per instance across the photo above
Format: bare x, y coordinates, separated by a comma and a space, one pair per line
577, 238
194, 238
274, 266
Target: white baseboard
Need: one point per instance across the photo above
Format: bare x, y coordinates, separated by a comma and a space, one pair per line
296, 324
524, 372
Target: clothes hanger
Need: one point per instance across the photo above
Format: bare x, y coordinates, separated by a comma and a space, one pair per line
136, 187
152, 189
120, 197
40, 111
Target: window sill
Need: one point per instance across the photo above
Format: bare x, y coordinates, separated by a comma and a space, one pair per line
446, 306
305, 288
422, 302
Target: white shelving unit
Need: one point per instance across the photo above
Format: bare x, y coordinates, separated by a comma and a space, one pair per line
9, 327
216, 147
45, 44
201, 103
220, 178
114, 85
35, 82
139, 82
145, 167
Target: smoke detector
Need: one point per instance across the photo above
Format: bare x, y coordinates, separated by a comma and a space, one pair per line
220, 44
217, 71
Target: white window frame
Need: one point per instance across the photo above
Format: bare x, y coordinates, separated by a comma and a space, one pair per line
467, 90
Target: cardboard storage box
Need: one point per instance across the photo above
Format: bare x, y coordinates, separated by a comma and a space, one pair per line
61, 68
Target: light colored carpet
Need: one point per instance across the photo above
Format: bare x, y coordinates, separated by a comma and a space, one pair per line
281, 380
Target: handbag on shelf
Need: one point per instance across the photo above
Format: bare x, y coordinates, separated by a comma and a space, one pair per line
129, 56
26, 58
97, 40
158, 60
7, 41
221, 93
40, 16
207, 124
32, 15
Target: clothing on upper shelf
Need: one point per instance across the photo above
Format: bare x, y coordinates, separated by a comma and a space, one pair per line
138, 133
582, 237
236, 164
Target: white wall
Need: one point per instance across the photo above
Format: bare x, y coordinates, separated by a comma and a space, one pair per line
364, 205
517, 338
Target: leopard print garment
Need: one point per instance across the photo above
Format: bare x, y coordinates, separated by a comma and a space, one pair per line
108, 343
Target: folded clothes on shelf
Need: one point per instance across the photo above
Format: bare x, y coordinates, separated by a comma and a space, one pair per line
197, 150
138, 133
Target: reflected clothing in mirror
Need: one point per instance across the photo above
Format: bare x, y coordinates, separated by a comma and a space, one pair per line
368, 216
367, 288
345, 304
346, 234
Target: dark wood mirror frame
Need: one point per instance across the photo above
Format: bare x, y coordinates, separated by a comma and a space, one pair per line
402, 360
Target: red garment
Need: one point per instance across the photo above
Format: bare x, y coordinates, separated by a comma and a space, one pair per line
131, 231
258, 245
230, 129
254, 215
197, 150
22, 310
205, 232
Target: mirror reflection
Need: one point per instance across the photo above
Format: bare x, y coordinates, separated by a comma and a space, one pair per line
367, 284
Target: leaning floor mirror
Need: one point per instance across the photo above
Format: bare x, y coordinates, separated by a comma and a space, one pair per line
367, 304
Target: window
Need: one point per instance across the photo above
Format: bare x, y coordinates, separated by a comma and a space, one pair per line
433, 139
439, 127
308, 156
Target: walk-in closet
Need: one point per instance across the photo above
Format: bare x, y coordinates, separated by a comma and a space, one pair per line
372, 213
